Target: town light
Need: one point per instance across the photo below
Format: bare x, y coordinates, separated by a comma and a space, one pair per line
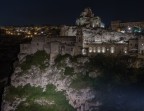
129, 28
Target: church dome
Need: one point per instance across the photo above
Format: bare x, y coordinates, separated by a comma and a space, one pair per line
88, 19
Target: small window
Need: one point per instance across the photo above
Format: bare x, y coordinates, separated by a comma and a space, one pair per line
103, 49
83, 51
94, 49
112, 49
98, 49
90, 49
125, 50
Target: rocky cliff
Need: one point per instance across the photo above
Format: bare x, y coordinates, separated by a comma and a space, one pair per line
70, 84
53, 88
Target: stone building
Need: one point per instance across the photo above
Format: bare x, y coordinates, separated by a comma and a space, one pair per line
86, 40
136, 47
133, 46
52, 45
127, 26
141, 46
106, 49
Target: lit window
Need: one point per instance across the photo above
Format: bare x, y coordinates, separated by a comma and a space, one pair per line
35, 33
98, 50
94, 50
84, 51
112, 49
103, 49
90, 49
125, 50
122, 31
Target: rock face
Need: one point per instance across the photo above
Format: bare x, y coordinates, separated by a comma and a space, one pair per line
98, 35
102, 35
72, 83
63, 75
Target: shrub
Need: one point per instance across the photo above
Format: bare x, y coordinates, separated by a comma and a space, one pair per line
60, 58
34, 93
69, 71
36, 59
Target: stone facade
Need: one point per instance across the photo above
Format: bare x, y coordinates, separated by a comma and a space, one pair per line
141, 45
106, 48
136, 47
52, 45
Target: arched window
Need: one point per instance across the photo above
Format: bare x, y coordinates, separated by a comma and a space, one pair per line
90, 49
125, 50
112, 50
84, 51
98, 50
103, 49
94, 49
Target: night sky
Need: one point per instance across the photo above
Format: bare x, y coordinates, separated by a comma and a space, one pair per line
38, 12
